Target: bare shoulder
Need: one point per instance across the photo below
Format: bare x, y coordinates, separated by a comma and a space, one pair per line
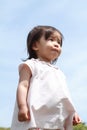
25, 73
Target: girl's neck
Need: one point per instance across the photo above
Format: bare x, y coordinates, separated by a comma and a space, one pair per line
44, 60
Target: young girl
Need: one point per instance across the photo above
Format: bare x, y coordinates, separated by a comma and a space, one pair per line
43, 100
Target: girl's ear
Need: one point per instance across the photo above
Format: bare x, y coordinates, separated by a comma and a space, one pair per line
35, 46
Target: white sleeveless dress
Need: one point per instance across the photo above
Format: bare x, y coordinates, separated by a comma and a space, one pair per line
49, 101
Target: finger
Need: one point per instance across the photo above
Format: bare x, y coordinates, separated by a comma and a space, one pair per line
21, 119
28, 116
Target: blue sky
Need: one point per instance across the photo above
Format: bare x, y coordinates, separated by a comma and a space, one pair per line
17, 18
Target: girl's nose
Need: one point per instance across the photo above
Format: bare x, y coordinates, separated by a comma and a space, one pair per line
56, 45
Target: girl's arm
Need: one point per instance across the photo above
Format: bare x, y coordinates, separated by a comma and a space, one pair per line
22, 91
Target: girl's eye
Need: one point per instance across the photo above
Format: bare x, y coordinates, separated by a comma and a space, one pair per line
58, 42
51, 39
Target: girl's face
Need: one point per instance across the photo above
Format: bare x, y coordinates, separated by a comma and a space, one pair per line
50, 49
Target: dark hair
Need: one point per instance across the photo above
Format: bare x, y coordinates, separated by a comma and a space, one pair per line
35, 34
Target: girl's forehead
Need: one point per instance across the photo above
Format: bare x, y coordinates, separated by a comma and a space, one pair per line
56, 35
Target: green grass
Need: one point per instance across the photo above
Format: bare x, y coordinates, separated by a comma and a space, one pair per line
81, 126
1, 128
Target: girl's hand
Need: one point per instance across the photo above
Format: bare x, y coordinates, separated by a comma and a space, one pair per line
23, 114
76, 119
